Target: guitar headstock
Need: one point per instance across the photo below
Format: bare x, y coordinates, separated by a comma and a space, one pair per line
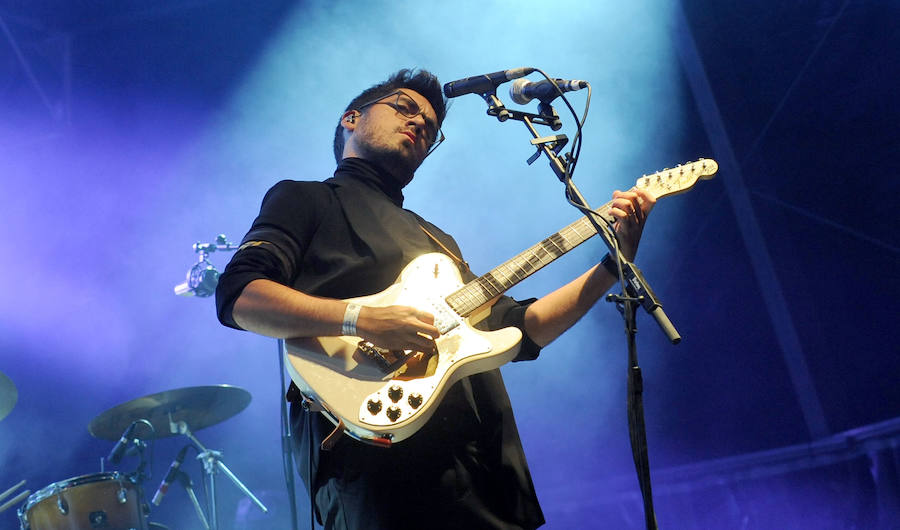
679, 179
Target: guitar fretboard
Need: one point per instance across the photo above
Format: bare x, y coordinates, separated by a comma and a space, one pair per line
489, 286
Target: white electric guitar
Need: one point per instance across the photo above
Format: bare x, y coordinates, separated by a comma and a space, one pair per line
382, 396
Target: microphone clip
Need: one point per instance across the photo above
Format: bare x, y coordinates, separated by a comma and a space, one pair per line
555, 143
546, 116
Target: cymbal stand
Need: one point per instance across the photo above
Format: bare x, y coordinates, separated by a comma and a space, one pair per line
212, 463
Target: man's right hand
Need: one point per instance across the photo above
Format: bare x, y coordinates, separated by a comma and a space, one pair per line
398, 328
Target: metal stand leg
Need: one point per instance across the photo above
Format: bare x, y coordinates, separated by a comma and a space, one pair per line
188, 484
209, 467
212, 463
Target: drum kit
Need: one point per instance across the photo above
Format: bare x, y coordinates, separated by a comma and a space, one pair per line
113, 500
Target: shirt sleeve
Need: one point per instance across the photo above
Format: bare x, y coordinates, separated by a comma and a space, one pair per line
508, 312
277, 240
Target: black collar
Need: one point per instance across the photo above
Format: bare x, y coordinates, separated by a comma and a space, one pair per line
370, 174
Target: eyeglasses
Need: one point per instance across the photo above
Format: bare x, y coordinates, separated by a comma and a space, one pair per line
407, 106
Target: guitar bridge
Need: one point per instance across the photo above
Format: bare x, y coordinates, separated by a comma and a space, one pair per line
388, 361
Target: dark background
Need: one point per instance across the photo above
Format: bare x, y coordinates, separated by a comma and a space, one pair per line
131, 130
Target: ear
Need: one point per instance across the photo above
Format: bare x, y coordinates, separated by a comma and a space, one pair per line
348, 120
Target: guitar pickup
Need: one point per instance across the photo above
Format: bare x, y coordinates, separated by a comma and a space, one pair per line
445, 319
388, 361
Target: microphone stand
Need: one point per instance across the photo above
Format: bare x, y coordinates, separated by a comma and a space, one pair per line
635, 289
287, 453
201, 281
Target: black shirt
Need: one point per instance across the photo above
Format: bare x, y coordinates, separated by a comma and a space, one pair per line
346, 237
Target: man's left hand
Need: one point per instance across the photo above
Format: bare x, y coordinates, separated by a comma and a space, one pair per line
631, 208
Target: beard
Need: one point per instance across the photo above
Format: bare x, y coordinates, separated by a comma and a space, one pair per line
398, 164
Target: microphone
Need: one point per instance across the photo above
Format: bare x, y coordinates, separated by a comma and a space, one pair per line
480, 84
201, 281
118, 450
523, 90
170, 477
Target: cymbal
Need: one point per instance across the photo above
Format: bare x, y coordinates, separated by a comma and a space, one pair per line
197, 406
8, 395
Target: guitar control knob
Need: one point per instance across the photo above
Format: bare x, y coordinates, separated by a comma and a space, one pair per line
393, 413
395, 392
414, 400
374, 406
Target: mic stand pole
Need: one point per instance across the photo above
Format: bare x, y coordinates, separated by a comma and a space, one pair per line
201, 281
637, 430
287, 455
632, 280
634, 284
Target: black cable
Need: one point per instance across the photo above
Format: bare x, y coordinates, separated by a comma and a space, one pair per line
309, 439
637, 428
575, 148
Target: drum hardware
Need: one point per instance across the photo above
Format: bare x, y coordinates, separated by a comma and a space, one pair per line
101, 500
188, 485
61, 503
118, 450
129, 444
175, 473
180, 412
212, 464
115, 500
170, 477
8, 398
198, 406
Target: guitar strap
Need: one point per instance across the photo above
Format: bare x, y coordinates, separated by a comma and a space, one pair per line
461, 263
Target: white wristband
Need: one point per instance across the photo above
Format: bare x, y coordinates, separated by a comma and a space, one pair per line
351, 314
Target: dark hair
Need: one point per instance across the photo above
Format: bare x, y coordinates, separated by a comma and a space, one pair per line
422, 81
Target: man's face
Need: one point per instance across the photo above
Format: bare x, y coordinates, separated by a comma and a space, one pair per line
385, 133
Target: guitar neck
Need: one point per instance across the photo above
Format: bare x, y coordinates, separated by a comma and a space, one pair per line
500, 279
487, 287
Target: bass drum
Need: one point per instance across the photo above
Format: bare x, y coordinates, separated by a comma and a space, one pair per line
102, 500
